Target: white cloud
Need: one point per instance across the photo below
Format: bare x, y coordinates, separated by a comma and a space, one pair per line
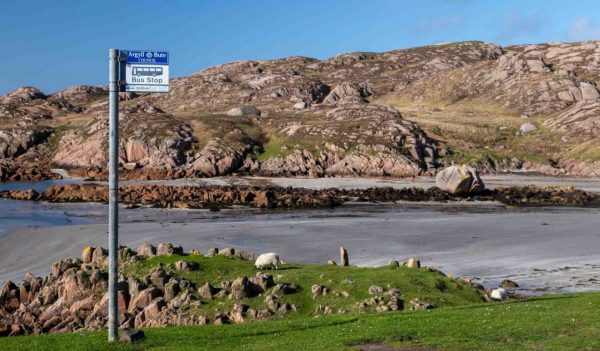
584, 29
441, 22
514, 25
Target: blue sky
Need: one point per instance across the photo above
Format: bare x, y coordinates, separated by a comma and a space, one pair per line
56, 44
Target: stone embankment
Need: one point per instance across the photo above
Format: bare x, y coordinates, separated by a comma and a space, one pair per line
215, 197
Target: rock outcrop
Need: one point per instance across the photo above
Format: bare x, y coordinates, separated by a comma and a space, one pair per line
74, 297
300, 116
215, 197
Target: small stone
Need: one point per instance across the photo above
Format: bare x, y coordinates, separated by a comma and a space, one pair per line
146, 250
318, 290
245, 255
499, 294
331, 263
526, 128
240, 288
227, 252
171, 290
130, 166
213, 251
375, 289
417, 304
509, 284
86, 255
394, 263
196, 252
206, 291
99, 256
183, 266
271, 301
300, 105
284, 309
413, 262
221, 320
263, 280
383, 308
344, 257
247, 110
167, 249
284, 289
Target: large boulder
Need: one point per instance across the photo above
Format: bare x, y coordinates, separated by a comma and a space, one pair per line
247, 110
346, 93
526, 128
459, 180
167, 249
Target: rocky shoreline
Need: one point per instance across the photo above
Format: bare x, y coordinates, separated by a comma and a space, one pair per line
272, 197
12, 171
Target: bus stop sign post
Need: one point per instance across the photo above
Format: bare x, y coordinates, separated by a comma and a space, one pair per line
144, 71
113, 190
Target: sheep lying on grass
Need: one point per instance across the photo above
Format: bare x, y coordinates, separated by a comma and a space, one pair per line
268, 260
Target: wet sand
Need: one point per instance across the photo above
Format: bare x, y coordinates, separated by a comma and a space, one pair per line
552, 249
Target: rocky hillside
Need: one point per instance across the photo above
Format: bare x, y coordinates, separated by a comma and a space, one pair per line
400, 113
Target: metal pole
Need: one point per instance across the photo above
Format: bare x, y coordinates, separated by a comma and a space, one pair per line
113, 190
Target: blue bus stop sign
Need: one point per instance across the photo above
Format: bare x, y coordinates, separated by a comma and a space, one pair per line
145, 71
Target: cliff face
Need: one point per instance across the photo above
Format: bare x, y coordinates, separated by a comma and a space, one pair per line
398, 113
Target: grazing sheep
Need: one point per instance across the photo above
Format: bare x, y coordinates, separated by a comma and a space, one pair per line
268, 260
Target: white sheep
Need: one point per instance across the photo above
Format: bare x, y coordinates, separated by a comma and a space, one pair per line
266, 260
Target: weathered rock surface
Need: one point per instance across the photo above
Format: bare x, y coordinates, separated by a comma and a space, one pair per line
459, 180
300, 116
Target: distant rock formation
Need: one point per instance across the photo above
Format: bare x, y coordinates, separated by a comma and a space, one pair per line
300, 116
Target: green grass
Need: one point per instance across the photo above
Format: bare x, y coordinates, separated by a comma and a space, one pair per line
560, 322
585, 151
273, 147
428, 286
54, 139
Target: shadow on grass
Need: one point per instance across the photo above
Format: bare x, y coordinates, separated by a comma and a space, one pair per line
512, 302
280, 269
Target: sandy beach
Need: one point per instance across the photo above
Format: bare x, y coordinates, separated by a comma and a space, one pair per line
543, 249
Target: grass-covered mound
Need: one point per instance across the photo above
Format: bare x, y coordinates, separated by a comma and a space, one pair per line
162, 286
347, 287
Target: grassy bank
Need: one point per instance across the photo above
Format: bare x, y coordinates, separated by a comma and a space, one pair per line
561, 322
348, 286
